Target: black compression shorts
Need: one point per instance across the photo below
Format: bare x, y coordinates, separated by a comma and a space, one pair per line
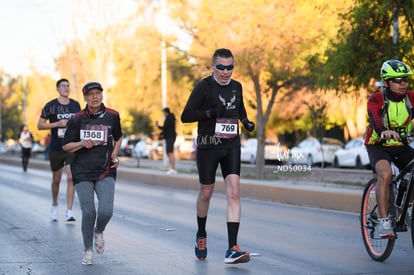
209, 159
400, 155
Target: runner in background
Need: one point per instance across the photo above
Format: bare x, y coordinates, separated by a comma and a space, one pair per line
54, 117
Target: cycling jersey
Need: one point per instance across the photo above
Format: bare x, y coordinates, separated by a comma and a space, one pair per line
395, 115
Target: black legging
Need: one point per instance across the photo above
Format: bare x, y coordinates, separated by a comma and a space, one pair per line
26, 153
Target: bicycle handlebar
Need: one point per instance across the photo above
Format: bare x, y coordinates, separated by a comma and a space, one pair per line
403, 138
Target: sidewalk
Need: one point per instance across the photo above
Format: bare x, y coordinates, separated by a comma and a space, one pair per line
295, 191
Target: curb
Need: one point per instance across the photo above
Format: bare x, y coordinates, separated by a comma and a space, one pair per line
311, 194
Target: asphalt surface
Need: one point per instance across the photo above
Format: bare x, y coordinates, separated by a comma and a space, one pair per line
153, 228
338, 189
28, 246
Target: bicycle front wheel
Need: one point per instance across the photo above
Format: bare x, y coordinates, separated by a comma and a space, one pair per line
378, 249
412, 224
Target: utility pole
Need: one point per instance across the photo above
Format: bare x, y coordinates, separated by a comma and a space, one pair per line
1, 109
164, 68
24, 101
163, 54
163, 72
395, 29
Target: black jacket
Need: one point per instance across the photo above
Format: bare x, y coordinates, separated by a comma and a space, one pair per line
168, 129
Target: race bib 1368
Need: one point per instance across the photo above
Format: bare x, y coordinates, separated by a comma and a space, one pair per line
96, 133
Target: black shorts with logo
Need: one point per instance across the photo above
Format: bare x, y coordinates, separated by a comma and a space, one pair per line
209, 159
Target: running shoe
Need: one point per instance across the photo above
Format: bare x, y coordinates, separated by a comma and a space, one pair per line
235, 256
409, 211
99, 243
385, 229
88, 258
54, 211
171, 172
201, 248
69, 216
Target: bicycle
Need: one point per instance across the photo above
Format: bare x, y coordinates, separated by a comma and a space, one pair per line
399, 208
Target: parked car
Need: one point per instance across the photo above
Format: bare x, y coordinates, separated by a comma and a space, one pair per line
273, 152
156, 151
185, 147
353, 155
127, 146
141, 149
310, 151
3, 148
38, 148
12, 146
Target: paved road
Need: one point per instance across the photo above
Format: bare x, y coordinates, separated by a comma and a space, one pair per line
152, 232
309, 190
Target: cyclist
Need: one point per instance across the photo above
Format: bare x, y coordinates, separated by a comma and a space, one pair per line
390, 114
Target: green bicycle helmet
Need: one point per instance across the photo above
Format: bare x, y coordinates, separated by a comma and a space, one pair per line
394, 68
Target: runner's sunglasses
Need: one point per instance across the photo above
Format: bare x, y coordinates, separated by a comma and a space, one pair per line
399, 79
222, 67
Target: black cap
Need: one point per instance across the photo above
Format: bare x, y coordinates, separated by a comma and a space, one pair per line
166, 110
91, 85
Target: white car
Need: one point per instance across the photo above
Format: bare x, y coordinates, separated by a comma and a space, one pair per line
156, 150
310, 151
353, 155
249, 150
127, 146
185, 147
141, 149
37, 148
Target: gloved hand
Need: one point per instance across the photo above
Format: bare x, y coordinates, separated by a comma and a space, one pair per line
211, 113
248, 125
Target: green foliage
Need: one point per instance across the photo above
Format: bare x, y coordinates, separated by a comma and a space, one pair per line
141, 124
11, 96
364, 41
286, 52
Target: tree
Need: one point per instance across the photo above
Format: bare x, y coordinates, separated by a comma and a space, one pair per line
270, 55
142, 123
363, 43
125, 57
10, 107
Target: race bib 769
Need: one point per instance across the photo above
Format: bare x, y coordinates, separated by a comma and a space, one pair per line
226, 128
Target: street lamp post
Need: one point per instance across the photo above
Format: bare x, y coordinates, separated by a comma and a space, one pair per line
164, 67
24, 101
163, 73
1, 117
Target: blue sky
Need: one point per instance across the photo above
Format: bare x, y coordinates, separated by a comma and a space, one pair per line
34, 32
